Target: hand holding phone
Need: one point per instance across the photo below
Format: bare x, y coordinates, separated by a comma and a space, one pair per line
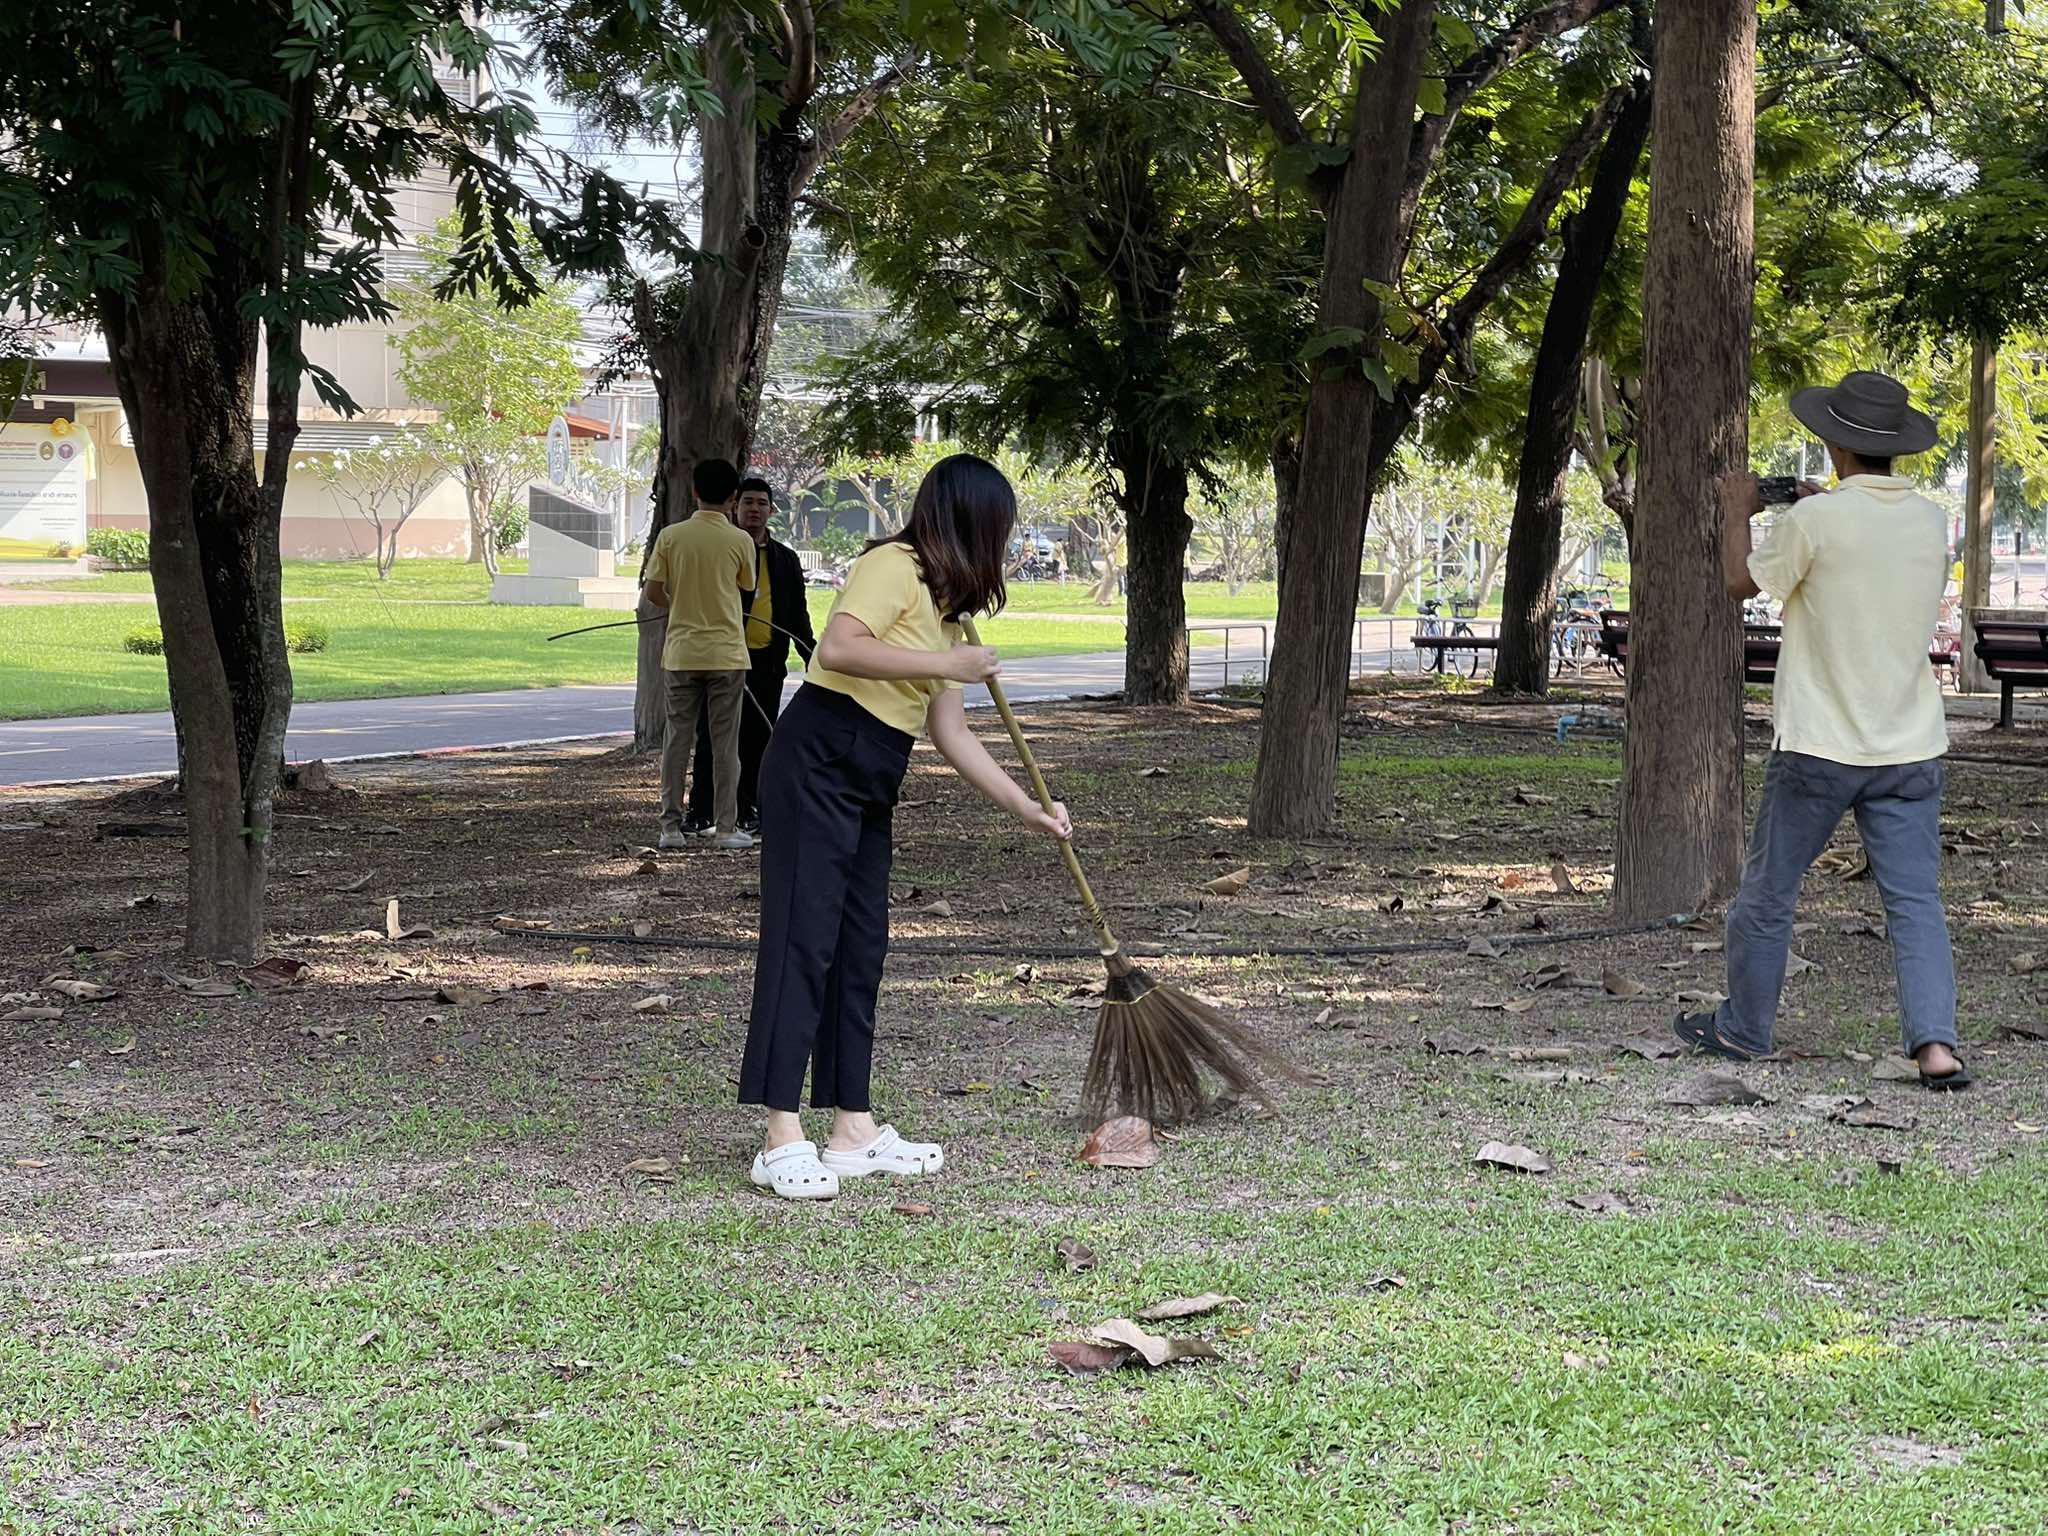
1778, 490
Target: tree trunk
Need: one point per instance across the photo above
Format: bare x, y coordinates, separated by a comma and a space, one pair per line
185, 370
1157, 530
1522, 665
1679, 845
1295, 789
1286, 456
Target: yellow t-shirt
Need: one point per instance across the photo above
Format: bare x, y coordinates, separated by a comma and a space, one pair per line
886, 592
762, 614
705, 563
1860, 570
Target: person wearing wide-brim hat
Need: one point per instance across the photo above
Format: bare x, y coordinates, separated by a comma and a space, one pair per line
1859, 726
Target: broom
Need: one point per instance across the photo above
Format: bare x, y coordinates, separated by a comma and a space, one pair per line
1152, 1042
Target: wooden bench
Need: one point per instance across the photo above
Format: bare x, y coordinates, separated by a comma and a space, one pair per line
1441, 644
2015, 655
1760, 646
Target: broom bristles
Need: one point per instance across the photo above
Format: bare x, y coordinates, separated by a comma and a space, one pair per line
1157, 1049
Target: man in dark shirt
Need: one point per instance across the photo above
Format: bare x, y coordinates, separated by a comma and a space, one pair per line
776, 612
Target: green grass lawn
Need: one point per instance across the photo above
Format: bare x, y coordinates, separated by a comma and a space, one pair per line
429, 629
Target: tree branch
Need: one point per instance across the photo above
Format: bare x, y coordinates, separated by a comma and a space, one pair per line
1255, 69
858, 108
1479, 70
1915, 89
800, 33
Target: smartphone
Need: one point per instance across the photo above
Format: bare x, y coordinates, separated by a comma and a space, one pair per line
1779, 490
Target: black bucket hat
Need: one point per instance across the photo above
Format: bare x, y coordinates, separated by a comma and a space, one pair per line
1867, 414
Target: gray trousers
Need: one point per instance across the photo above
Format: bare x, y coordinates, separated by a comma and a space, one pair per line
689, 695
1898, 813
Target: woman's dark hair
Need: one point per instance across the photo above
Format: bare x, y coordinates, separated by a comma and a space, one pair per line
715, 481
959, 529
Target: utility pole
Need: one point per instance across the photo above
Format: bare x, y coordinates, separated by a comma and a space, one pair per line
1978, 491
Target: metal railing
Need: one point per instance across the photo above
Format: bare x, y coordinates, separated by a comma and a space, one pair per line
1199, 656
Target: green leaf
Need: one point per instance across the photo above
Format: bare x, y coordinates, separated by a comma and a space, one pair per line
1381, 380
1457, 35
1331, 341
1430, 98
1403, 360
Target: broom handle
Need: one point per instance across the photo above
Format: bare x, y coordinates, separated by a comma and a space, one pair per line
1094, 908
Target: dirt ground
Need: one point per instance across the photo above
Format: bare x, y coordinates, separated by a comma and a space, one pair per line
126, 1114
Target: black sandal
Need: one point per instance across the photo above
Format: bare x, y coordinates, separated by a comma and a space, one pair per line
1948, 1082
1697, 1030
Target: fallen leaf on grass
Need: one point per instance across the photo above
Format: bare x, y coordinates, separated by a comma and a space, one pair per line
325, 1032
278, 972
1868, 1116
1700, 999
1705, 1089
939, 908
2025, 963
1185, 1306
366, 1339
911, 1208
1705, 946
1448, 1042
1895, 1069
358, 883
1614, 984
1501, 1154
1526, 795
34, 1014
1600, 1203
1550, 974
519, 924
1799, 965
1508, 1005
2022, 1029
1152, 1348
1831, 1104
647, 867
1862, 927
1152, 773
1125, 1142
659, 1003
125, 1048
1075, 1254
1085, 1359
656, 1170
463, 995
205, 986
1230, 884
395, 931
80, 991
1735, 1118
1651, 1047
146, 899
1486, 948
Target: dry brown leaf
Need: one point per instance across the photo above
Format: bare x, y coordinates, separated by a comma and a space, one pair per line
1152, 1348
125, 1048
1448, 1042
1085, 1359
206, 986
647, 867
1185, 1306
1700, 998
1230, 884
395, 931
80, 991
1651, 1047
1508, 1005
1601, 1203
2025, 963
1868, 1116
1519, 1159
1895, 1069
33, 1014
1152, 773
1798, 965
277, 973
912, 1208
1075, 1254
2023, 1029
939, 908
1708, 1089
1125, 1142
659, 1003
1526, 794
1614, 984
463, 995
657, 1170
1486, 948
1705, 947
1537, 1053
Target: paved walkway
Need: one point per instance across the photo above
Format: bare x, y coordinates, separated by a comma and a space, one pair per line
82, 747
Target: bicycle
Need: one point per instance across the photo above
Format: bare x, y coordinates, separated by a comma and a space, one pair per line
1448, 658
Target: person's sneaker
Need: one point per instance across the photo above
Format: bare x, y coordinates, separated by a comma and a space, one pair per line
671, 841
732, 841
694, 826
751, 825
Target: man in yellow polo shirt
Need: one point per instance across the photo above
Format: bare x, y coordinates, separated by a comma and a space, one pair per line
697, 570
1858, 722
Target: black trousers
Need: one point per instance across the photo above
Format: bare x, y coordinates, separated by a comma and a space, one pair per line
765, 684
828, 790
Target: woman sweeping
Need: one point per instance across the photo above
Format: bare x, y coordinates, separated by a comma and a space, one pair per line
888, 665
